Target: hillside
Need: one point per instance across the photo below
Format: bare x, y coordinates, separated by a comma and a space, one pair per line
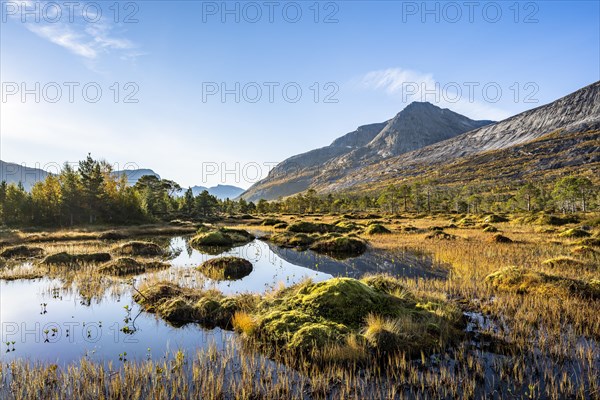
418, 125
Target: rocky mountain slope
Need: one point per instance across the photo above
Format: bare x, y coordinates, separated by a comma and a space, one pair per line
577, 112
418, 125
423, 137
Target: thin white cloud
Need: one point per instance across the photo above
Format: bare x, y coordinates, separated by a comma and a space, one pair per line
85, 39
63, 36
410, 85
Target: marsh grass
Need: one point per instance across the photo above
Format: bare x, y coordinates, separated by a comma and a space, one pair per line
533, 346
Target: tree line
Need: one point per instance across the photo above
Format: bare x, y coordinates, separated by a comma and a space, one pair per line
93, 194
567, 195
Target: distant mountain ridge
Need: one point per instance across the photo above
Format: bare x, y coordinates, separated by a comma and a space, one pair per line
418, 125
221, 192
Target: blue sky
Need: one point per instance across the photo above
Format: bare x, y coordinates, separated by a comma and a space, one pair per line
371, 58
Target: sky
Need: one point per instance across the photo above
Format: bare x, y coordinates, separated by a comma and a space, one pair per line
208, 93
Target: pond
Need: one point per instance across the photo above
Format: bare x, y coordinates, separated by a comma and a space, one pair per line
47, 320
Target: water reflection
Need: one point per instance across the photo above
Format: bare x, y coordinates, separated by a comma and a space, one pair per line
49, 320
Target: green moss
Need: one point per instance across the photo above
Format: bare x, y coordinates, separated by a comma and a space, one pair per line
64, 258
562, 262
574, 233
152, 296
490, 228
588, 242
494, 218
281, 225
136, 248
376, 229
313, 336
271, 221
286, 239
226, 268
522, 281
585, 250
22, 252
384, 283
340, 246
313, 227
223, 237
177, 311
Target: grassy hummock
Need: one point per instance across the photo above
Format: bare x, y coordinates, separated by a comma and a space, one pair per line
341, 247
312, 318
125, 266
64, 258
221, 237
524, 281
376, 229
137, 248
226, 268
22, 252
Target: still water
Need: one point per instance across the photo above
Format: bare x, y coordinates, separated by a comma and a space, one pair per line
47, 320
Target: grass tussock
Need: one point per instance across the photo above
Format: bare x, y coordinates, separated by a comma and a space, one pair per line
64, 258
226, 268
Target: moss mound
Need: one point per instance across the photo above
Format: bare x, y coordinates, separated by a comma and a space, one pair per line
124, 266
64, 258
136, 248
344, 246
440, 235
583, 250
313, 227
112, 235
223, 237
498, 238
494, 218
592, 241
343, 300
522, 281
313, 318
574, 233
562, 262
281, 225
226, 268
410, 228
543, 218
272, 222
490, 228
466, 222
377, 229
22, 252
299, 240
177, 311
152, 296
